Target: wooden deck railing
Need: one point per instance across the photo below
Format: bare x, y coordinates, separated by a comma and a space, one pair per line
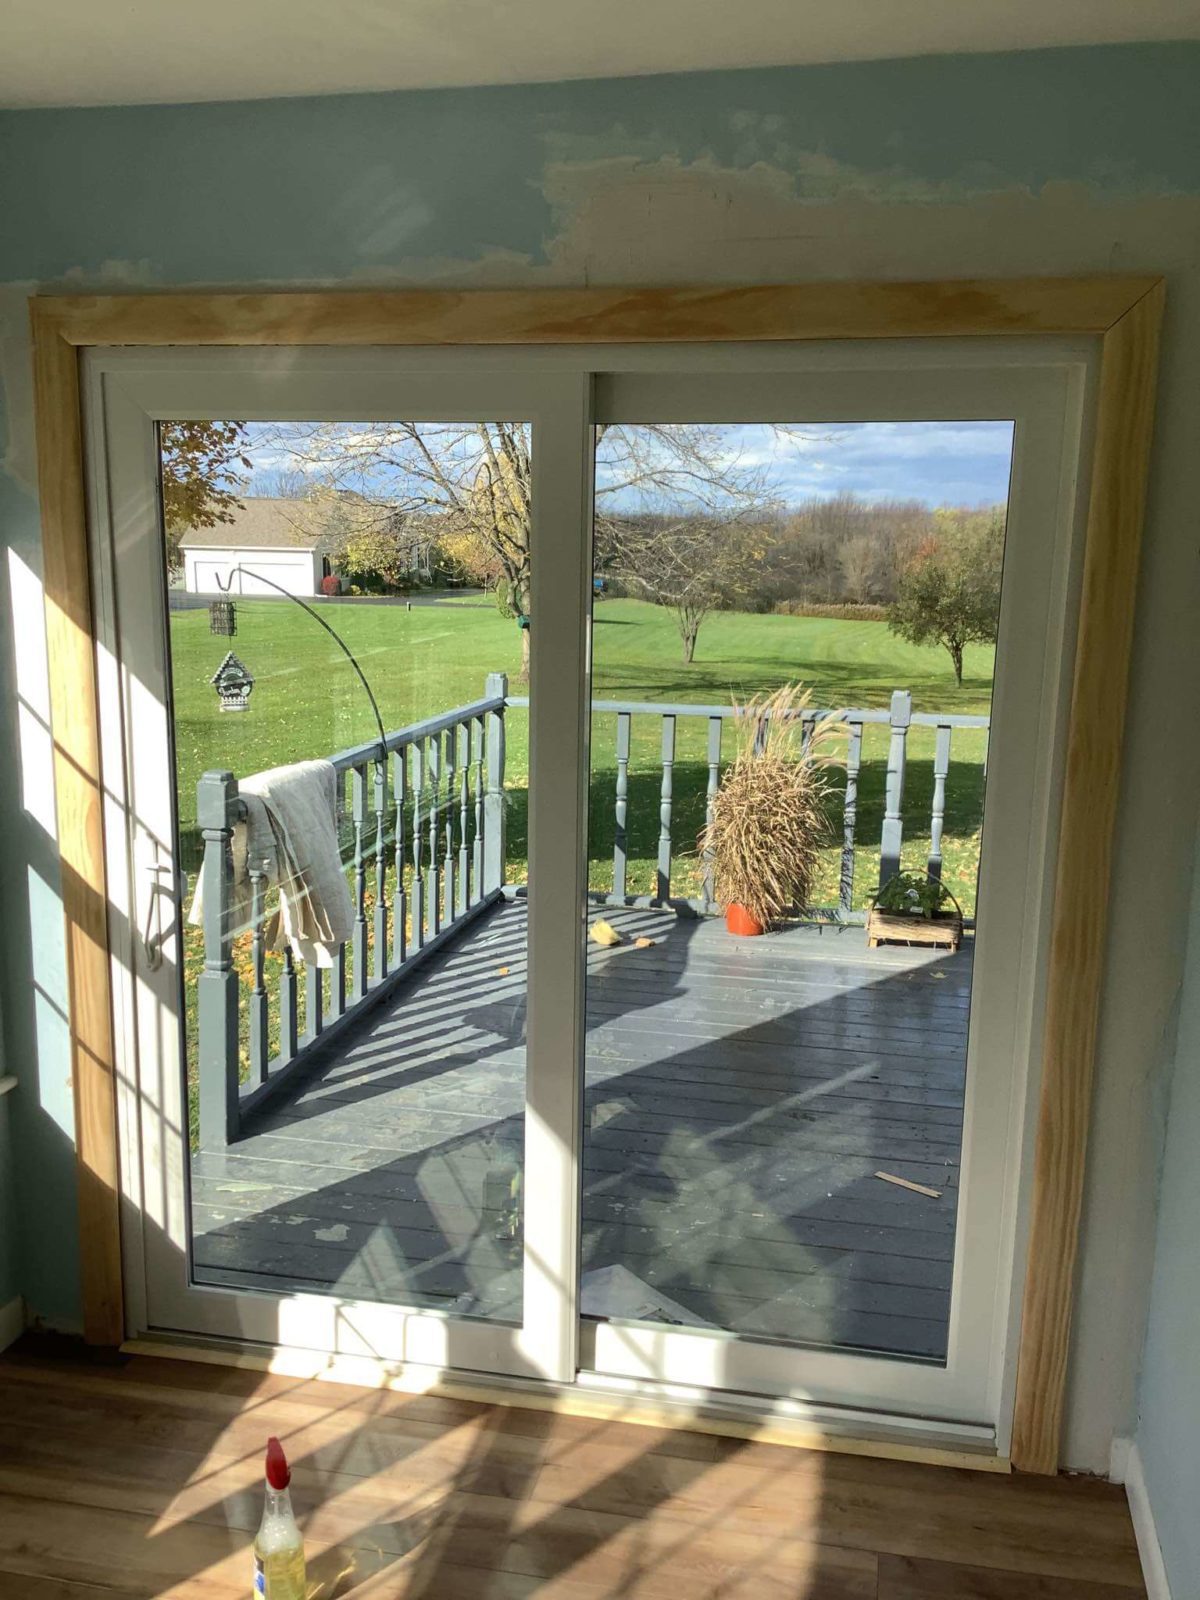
424, 836
899, 718
424, 825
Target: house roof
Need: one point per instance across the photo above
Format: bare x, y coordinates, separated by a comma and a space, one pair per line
261, 523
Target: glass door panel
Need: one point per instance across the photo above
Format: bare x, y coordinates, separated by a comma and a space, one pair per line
322, 630
367, 1140
794, 656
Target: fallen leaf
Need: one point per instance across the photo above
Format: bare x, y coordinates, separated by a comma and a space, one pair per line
642, 944
502, 971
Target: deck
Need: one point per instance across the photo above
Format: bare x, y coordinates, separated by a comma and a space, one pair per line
741, 1095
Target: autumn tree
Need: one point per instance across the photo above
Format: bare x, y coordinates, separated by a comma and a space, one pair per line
690, 564
949, 594
477, 479
204, 464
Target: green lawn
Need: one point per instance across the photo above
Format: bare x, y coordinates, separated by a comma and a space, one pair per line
308, 702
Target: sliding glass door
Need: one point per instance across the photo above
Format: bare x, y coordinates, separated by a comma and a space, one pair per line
826, 613
452, 699
317, 590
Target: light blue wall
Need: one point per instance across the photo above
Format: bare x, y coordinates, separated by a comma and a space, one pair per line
1168, 1433
355, 185
1054, 162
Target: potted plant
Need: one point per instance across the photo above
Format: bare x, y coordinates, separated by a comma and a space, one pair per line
914, 908
768, 817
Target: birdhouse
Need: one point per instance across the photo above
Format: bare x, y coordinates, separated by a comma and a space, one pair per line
233, 683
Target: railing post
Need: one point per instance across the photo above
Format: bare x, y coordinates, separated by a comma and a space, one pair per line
314, 1002
217, 989
462, 737
621, 811
289, 1033
433, 871
449, 866
381, 903
893, 817
493, 805
418, 844
259, 1038
477, 747
400, 899
850, 820
941, 766
358, 792
716, 726
665, 803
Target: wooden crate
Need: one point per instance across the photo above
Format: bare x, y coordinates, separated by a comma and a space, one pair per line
891, 927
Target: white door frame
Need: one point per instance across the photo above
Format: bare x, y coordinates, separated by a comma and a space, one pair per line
125, 397
1029, 710
125, 391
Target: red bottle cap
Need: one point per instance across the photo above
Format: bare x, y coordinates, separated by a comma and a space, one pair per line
278, 1473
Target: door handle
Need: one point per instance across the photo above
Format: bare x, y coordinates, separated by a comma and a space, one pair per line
151, 884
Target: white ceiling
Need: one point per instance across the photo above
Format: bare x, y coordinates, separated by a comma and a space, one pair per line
121, 52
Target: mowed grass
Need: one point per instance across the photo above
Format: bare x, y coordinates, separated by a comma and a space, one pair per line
308, 702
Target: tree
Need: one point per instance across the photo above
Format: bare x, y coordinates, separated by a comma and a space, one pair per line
859, 561
949, 594
689, 564
469, 557
477, 479
203, 465
373, 550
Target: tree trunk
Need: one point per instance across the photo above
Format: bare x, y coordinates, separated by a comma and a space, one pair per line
956, 655
520, 604
689, 644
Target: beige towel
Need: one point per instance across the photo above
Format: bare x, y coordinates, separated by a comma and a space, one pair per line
290, 834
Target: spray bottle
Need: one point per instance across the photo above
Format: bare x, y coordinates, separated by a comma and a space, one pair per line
278, 1546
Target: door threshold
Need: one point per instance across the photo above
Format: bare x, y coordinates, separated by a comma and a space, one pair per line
763, 1419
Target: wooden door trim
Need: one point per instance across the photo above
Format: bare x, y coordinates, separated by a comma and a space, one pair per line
1125, 311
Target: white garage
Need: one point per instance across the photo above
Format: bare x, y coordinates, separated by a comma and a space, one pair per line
268, 546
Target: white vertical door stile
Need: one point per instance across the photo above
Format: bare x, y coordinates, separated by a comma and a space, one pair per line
558, 767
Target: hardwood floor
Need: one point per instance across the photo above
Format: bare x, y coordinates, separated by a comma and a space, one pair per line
741, 1096
142, 1479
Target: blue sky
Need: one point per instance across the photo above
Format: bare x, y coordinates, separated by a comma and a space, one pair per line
940, 463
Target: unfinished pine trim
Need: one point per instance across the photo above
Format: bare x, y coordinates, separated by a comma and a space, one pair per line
1078, 935
602, 316
74, 714
1125, 310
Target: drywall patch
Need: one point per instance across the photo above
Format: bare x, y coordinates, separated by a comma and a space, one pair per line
630, 221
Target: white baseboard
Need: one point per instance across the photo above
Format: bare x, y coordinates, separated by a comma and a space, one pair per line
1126, 1468
12, 1321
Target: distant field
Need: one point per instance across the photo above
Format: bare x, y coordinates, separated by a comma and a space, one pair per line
307, 702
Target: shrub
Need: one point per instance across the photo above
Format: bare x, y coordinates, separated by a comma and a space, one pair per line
769, 821
331, 584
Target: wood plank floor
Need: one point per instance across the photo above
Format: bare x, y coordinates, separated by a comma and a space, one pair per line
740, 1097
142, 1479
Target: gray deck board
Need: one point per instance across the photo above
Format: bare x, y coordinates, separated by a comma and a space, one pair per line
740, 1096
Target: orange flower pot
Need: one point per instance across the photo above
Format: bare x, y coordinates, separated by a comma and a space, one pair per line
738, 920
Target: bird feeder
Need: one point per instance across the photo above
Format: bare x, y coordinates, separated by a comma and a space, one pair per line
233, 683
